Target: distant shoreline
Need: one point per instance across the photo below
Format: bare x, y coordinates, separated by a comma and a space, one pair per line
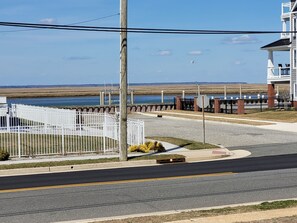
117, 85
168, 89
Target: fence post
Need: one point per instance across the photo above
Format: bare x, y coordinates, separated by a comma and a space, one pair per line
178, 103
217, 106
104, 132
143, 139
109, 98
240, 106
132, 97
8, 121
19, 141
63, 141
138, 132
196, 107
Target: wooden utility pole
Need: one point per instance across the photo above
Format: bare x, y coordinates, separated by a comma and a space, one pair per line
203, 118
123, 83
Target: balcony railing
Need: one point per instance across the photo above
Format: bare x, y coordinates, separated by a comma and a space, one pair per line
280, 73
286, 10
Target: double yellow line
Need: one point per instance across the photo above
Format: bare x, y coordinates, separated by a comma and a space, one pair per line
112, 182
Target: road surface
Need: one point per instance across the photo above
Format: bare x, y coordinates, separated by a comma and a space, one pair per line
101, 193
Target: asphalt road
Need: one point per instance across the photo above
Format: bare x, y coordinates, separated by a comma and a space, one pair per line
247, 183
145, 197
150, 172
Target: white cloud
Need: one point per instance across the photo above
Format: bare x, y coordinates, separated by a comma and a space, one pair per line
243, 39
48, 21
78, 58
164, 52
238, 62
195, 52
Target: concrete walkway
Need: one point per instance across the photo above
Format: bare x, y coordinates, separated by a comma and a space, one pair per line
244, 217
191, 156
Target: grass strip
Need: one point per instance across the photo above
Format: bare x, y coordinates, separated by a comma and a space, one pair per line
88, 161
217, 118
189, 144
56, 163
207, 213
268, 115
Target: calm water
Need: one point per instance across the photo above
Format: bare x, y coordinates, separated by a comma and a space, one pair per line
89, 101
94, 100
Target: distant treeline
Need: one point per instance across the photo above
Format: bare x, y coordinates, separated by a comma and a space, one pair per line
115, 85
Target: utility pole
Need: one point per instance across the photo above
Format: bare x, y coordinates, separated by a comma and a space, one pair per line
123, 83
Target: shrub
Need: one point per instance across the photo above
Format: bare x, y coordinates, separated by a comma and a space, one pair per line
151, 145
133, 148
147, 147
144, 148
160, 148
4, 155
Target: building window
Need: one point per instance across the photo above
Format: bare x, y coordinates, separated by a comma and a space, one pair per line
294, 59
294, 27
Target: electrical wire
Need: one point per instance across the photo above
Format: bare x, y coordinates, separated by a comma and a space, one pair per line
134, 30
76, 23
131, 30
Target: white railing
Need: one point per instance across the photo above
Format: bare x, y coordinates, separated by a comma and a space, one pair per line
34, 134
135, 131
45, 115
40, 140
3, 110
280, 72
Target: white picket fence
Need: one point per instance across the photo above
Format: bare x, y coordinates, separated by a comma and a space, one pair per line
35, 131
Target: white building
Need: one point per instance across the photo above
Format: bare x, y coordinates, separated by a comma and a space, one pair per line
283, 73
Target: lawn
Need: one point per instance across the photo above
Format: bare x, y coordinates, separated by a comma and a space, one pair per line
188, 144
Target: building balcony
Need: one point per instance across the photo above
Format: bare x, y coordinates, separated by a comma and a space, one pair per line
280, 74
286, 10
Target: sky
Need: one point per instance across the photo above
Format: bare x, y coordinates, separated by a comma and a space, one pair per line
51, 57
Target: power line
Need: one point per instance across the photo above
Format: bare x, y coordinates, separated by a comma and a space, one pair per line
76, 23
92, 20
135, 30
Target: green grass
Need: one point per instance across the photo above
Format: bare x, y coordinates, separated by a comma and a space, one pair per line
57, 163
89, 161
189, 144
281, 116
277, 205
32, 144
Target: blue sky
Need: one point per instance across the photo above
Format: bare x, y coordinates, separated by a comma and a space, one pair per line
68, 57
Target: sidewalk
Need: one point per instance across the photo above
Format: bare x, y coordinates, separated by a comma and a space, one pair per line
244, 217
190, 155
